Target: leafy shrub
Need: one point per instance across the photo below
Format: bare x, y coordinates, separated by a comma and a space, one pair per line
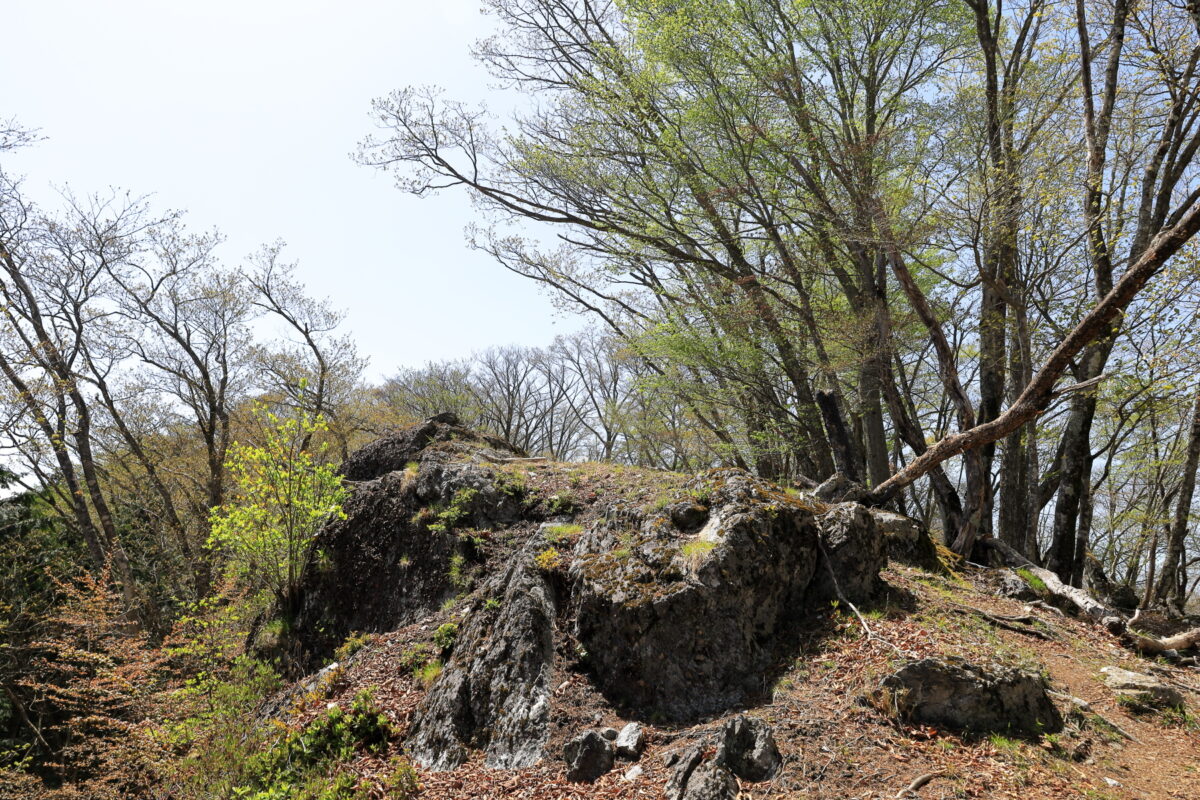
283, 494
458, 510
562, 503
354, 642
445, 635
401, 782
458, 573
294, 766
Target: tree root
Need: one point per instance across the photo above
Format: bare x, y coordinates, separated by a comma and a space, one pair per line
1021, 624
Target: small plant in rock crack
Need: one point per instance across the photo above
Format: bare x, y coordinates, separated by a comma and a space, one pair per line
548, 560
445, 636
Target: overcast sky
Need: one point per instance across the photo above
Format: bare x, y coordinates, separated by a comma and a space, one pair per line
243, 113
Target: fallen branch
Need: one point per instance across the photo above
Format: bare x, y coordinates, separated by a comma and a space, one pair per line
1110, 618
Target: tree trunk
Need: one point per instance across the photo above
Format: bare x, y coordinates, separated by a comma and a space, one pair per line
1173, 580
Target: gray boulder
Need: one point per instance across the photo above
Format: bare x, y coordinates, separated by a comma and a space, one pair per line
855, 551
589, 755
1014, 586
1141, 689
494, 693
685, 624
631, 741
747, 747
710, 781
965, 696
905, 539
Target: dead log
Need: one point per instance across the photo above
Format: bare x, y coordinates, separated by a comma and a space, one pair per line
1115, 622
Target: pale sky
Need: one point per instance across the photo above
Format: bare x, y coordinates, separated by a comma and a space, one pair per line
243, 114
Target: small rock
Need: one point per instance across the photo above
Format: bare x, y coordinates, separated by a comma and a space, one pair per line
958, 694
634, 773
710, 781
588, 756
685, 764
1143, 689
631, 741
747, 748
1014, 586
609, 733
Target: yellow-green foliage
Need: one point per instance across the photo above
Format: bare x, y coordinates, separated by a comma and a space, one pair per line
213, 730
548, 560
458, 571
298, 765
401, 782
445, 635
456, 512
283, 493
698, 548
562, 503
1035, 583
354, 642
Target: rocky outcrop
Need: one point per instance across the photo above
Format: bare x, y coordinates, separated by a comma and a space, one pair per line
1141, 690
388, 562
681, 624
969, 697
676, 607
493, 694
395, 451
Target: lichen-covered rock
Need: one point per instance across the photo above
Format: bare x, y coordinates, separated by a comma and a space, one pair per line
388, 562
682, 766
588, 756
710, 781
905, 539
395, 451
855, 554
683, 624
747, 747
1141, 689
494, 692
965, 696
1014, 586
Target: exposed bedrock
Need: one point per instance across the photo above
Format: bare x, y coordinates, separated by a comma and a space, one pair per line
388, 562
493, 693
678, 623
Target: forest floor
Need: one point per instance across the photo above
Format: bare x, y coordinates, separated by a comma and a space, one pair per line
834, 744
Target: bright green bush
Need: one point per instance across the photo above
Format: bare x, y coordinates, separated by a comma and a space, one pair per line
283, 494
